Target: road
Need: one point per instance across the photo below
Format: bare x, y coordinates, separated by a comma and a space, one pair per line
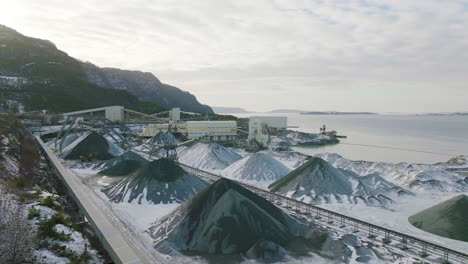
123, 245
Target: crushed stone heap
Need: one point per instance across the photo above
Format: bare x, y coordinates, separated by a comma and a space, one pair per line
92, 143
317, 181
259, 167
163, 138
441, 177
315, 176
121, 165
227, 219
210, 157
448, 219
159, 181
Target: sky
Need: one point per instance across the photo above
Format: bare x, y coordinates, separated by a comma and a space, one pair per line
318, 55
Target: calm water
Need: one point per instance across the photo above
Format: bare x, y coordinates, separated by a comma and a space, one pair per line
440, 134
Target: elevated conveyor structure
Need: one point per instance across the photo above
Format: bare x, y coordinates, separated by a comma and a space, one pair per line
341, 222
113, 238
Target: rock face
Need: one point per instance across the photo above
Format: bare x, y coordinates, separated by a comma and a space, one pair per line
316, 176
159, 181
121, 165
448, 219
259, 167
36, 75
91, 143
145, 86
226, 219
210, 157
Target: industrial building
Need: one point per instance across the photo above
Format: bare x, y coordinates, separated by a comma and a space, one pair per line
215, 130
273, 122
260, 128
113, 113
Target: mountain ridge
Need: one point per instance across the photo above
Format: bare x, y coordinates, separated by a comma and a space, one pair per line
36, 75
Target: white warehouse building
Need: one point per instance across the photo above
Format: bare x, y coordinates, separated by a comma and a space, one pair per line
216, 130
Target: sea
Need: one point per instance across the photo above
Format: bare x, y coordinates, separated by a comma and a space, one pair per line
386, 137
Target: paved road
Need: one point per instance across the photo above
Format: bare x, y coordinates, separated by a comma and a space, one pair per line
123, 246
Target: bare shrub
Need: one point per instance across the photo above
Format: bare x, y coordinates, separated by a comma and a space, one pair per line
17, 234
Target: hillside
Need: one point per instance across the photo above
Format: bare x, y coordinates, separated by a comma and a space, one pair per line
229, 110
38, 223
145, 86
35, 75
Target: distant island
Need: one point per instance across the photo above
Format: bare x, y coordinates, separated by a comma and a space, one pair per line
229, 110
287, 111
446, 113
337, 113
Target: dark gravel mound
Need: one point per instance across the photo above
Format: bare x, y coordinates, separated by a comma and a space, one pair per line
159, 181
121, 165
448, 219
89, 143
163, 138
228, 219
315, 176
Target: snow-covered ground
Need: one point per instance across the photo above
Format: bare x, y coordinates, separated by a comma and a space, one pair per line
418, 177
13, 81
138, 217
396, 218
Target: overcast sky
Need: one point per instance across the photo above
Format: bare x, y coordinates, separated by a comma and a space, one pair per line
344, 55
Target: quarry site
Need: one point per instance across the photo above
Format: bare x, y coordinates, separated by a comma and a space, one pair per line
177, 187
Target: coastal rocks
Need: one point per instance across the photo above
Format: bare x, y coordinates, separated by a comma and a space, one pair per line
258, 167
447, 219
210, 157
159, 181
91, 143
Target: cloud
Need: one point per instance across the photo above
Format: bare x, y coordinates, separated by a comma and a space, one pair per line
264, 54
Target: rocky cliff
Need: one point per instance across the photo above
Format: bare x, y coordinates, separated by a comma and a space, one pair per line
35, 75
